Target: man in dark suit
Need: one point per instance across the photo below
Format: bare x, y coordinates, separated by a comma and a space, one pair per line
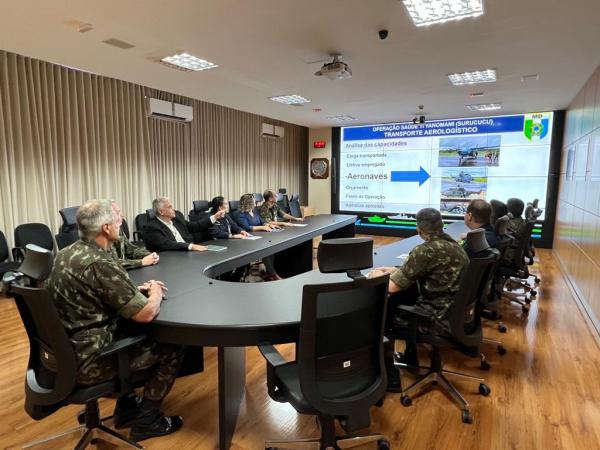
168, 232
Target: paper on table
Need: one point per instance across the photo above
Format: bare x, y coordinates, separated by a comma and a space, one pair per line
299, 224
253, 238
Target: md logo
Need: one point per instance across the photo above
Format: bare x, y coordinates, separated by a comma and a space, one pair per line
536, 126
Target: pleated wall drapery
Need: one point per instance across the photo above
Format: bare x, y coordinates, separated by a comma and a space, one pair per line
67, 136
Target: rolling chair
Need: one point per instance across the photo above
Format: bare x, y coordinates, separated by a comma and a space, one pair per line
141, 220
516, 273
31, 233
234, 205
283, 202
68, 233
5, 266
200, 208
50, 380
489, 302
464, 324
258, 198
532, 213
294, 205
339, 371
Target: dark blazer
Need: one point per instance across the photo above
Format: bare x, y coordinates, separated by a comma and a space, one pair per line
158, 238
246, 221
222, 228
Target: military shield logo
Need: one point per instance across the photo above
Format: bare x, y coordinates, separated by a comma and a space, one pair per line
536, 127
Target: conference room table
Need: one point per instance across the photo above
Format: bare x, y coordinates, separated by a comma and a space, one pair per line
202, 310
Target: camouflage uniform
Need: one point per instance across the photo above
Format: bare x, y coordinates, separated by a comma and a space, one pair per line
435, 266
271, 213
516, 227
129, 255
90, 291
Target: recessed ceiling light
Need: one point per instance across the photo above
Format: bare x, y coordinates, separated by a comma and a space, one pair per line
293, 99
428, 12
476, 94
532, 77
485, 107
342, 118
188, 63
475, 77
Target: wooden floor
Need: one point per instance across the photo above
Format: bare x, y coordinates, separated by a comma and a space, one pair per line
545, 391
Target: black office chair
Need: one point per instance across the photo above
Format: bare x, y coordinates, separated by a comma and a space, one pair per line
31, 233
258, 198
516, 274
234, 205
294, 205
68, 216
50, 381
141, 220
532, 213
339, 371
5, 265
199, 209
283, 202
464, 326
125, 229
64, 239
489, 302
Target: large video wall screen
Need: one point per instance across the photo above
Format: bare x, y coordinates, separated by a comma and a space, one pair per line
403, 167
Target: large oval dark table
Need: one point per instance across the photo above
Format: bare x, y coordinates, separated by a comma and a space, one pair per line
202, 310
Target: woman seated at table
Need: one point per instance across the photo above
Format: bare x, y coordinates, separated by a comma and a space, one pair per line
249, 219
225, 228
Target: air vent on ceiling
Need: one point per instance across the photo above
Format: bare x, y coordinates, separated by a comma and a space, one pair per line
118, 43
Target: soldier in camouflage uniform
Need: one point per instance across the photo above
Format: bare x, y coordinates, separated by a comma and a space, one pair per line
91, 291
430, 276
130, 256
516, 227
271, 212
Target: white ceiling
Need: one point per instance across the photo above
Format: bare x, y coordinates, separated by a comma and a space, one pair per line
262, 47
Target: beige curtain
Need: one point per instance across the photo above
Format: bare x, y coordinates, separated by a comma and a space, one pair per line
67, 136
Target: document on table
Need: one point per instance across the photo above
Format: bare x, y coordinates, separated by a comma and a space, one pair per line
298, 224
253, 238
216, 248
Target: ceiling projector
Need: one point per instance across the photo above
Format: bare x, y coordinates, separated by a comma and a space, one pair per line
335, 70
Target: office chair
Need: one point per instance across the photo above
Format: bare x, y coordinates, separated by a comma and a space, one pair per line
125, 229
50, 380
532, 213
516, 273
294, 205
31, 233
64, 239
150, 213
339, 371
234, 205
258, 198
283, 202
5, 266
199, 208
68, 216
464, 327
489, 302
141, 220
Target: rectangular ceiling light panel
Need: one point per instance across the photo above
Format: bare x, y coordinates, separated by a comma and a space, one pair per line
342, 118
187, 62
428, 12
485, 107
290, 99
476, 77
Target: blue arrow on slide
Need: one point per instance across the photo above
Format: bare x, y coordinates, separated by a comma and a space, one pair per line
420, 175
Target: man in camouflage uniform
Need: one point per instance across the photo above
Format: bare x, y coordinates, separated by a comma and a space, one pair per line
130, 256
91, 291
429, 279
271, 212
516, 227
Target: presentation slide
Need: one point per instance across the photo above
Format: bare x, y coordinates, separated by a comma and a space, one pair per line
399, 168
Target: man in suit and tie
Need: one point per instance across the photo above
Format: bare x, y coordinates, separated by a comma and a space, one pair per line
168, 232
